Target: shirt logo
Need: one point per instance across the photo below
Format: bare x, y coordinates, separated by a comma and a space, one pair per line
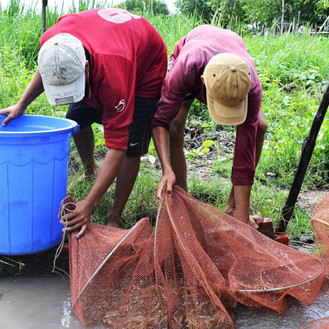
121, 106
118, 16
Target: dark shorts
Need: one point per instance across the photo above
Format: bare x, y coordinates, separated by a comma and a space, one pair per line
139, 129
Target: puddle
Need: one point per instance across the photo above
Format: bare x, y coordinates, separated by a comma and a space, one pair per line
44, 302
37, 302
297, 315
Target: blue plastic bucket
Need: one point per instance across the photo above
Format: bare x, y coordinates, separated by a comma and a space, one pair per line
34, 158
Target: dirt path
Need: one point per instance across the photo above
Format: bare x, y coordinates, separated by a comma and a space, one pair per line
311, 198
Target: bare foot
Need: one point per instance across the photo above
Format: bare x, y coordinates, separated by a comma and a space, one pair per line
113, 221
255, 220
83, 178
86, 176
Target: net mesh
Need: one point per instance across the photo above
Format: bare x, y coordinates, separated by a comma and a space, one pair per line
318, 324
320, 226
190, 271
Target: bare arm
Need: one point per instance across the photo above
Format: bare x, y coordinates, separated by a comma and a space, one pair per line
161, 141
260, 137
231, 207
34, 89
106, 175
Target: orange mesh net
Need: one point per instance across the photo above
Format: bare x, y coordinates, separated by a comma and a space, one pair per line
318, 324
188, 272
320, 226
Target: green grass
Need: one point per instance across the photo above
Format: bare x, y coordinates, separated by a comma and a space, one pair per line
293, 70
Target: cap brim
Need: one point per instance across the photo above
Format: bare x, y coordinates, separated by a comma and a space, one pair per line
65, 94
227, 115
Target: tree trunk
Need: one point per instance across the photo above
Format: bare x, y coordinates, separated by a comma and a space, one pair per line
282, 17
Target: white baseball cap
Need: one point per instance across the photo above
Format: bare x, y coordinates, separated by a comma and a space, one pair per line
227, 79
62, 62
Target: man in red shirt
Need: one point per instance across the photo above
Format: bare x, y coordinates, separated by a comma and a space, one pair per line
109, 65
213, 66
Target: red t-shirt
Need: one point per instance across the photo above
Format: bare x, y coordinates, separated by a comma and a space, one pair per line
128, 58
190, 56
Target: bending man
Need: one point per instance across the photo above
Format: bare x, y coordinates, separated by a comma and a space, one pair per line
213, 66
109, 65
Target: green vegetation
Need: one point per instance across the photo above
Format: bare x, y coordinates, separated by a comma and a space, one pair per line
293, 71
258, 13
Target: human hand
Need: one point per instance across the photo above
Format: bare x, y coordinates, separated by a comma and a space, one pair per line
77, 218
12, 113
166, 183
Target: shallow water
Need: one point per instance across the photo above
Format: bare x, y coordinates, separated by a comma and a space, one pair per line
297, 316
44, 302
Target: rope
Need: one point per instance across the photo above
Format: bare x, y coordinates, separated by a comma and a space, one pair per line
320, 221
64, 211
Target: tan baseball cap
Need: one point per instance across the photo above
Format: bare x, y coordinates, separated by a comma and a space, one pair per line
227, 80
62, 62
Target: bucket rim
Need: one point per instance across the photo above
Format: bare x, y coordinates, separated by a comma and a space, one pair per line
72, 127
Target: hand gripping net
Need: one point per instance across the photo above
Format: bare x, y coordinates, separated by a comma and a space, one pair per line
188, 272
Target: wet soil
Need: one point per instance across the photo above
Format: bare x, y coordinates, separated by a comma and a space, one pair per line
32, 265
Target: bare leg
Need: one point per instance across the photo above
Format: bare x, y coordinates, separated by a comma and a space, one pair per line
177, 157
124, 184
85, 143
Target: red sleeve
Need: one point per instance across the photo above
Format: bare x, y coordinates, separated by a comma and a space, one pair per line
173, 93
243, 170
184, 77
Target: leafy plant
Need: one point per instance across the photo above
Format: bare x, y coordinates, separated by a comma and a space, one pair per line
293, 71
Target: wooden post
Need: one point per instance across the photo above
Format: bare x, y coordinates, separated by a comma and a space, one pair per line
274, 26
44, 8
282, 17
306, 154
323, 25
